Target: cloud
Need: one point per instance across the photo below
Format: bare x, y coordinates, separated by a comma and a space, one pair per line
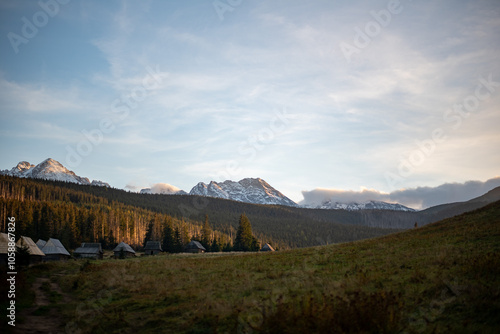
164, 188
41, 99
417, 198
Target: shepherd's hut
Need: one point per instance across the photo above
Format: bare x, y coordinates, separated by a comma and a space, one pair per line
55, 251
89, 250
194, 247
40, 243
36, 255
4, 248
267, 248
152, 248
123, 250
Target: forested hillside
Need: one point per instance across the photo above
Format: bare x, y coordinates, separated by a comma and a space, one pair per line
76, 213
47, 209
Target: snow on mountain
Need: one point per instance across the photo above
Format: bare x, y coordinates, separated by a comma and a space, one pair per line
49, 169
163, 188
99, 183
256, 191
370, 205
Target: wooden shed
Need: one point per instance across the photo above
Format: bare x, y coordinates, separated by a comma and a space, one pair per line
152, 248
89, 250
194, 247
36, 254
55, 251
4, 248
40, 243
267, 248
123, 250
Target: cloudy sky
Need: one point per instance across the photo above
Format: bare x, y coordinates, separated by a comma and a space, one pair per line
341, 96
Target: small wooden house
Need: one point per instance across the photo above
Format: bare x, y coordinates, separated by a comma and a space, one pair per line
36, 255
194, 247
152, 248
267, 248
40, 243
123, 250
55, 251
4, 249
89, 250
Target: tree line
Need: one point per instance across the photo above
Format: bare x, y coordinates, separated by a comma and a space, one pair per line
283, 227
44, 211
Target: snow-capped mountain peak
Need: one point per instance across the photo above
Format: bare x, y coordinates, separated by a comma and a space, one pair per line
49, 169
249, 190
369, 205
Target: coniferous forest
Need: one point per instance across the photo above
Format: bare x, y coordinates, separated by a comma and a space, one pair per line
75, 213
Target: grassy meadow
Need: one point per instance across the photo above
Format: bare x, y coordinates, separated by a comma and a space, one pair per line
441, 278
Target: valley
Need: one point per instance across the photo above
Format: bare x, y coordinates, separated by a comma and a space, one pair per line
440, 278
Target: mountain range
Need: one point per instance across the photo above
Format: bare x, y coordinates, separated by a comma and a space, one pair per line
49, 169
370, 205
248, 190
256, 191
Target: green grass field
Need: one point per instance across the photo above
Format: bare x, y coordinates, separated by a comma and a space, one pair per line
441, 278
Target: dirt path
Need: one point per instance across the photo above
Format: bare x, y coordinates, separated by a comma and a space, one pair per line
48, 322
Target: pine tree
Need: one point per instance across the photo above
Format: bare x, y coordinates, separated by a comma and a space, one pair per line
168, 244
245, 241
178, 244
206, 234
215, 247
149, 233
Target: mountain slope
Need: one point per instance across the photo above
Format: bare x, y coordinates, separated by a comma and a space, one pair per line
256, 191
452, 209
49, 169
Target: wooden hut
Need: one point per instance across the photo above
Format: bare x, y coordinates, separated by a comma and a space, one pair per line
194, 247
4, 249
89, 250
152, 248
267, 248
55, 251
36, 255
123, 250
40, 243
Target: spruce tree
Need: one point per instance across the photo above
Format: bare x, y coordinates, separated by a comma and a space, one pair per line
206, 234
245, 241
149, 233
178, 244
215, 247
168, 244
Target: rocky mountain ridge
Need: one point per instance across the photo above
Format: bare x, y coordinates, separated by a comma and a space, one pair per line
249, 190
50, 169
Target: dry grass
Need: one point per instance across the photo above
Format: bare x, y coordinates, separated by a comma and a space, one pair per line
440, 278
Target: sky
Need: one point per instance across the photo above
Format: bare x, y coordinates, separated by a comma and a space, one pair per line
322, 99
